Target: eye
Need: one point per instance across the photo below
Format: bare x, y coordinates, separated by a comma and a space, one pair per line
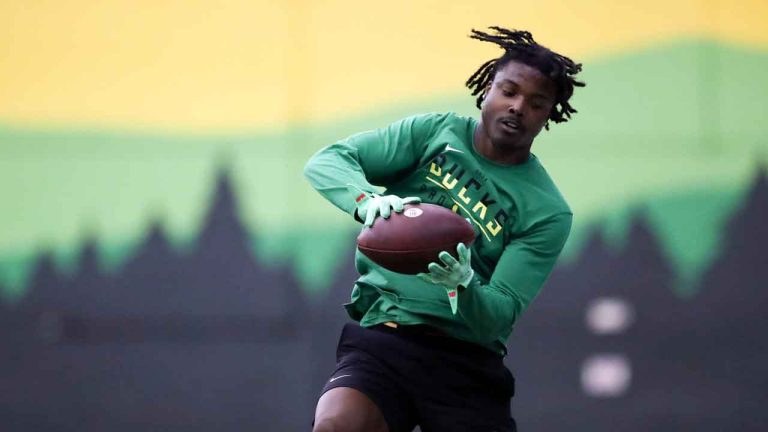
539, 104
508, 92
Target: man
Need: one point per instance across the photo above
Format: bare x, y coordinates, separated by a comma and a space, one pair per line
412, 360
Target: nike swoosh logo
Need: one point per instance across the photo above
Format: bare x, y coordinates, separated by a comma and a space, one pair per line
335, 378
449, 148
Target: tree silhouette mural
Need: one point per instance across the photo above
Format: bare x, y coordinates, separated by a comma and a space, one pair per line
211, 338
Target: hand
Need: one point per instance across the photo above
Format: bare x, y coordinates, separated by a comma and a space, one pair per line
370, 206
452, 274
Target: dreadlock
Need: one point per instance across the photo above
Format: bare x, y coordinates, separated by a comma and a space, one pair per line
519, 46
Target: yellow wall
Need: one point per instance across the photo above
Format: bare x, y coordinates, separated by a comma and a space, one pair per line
244, 65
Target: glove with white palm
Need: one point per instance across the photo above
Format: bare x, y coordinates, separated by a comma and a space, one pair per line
453, 275
371, 205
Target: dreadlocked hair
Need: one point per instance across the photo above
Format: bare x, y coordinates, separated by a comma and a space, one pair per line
519, 46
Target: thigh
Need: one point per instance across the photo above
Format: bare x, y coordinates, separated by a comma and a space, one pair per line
349, 410
368, 377
477, 415
466, 396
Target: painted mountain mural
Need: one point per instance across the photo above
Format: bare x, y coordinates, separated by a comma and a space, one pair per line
214, 338
667, 137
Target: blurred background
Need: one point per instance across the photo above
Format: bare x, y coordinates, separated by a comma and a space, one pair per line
164, 265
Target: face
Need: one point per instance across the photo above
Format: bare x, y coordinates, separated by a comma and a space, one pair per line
516, 106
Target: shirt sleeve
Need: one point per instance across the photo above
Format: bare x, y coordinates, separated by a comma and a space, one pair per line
492, 309
355, 165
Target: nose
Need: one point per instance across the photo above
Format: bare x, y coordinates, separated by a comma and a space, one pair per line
516, 105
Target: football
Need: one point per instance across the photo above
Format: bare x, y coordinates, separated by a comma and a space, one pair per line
407, 242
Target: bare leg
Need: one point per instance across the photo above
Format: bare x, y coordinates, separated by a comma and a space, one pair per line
345, 409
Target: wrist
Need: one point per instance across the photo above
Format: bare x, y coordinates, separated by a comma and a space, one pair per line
361, 203
464, 284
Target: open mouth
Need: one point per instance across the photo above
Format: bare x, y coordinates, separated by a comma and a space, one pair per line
511, 124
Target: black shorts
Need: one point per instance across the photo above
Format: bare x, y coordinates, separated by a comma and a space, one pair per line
419, 377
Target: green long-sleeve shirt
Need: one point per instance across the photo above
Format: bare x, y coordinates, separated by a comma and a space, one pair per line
521, 220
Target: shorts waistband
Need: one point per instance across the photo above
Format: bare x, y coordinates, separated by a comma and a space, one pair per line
437, 338
419, 329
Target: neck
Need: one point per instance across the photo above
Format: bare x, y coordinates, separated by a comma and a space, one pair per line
511, 154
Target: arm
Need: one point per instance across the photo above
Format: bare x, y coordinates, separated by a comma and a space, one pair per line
491, 309
343, 171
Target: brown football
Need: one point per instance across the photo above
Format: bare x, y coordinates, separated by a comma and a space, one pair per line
407, 242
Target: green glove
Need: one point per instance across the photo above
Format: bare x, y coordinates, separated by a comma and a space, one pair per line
371, 205
452, 274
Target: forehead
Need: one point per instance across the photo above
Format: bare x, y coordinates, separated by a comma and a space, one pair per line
527, 77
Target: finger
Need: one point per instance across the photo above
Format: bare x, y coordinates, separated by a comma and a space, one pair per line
370, 215
411, 200
437, 271
384, 208
448, 259
425, 277
465, 254
397, 204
